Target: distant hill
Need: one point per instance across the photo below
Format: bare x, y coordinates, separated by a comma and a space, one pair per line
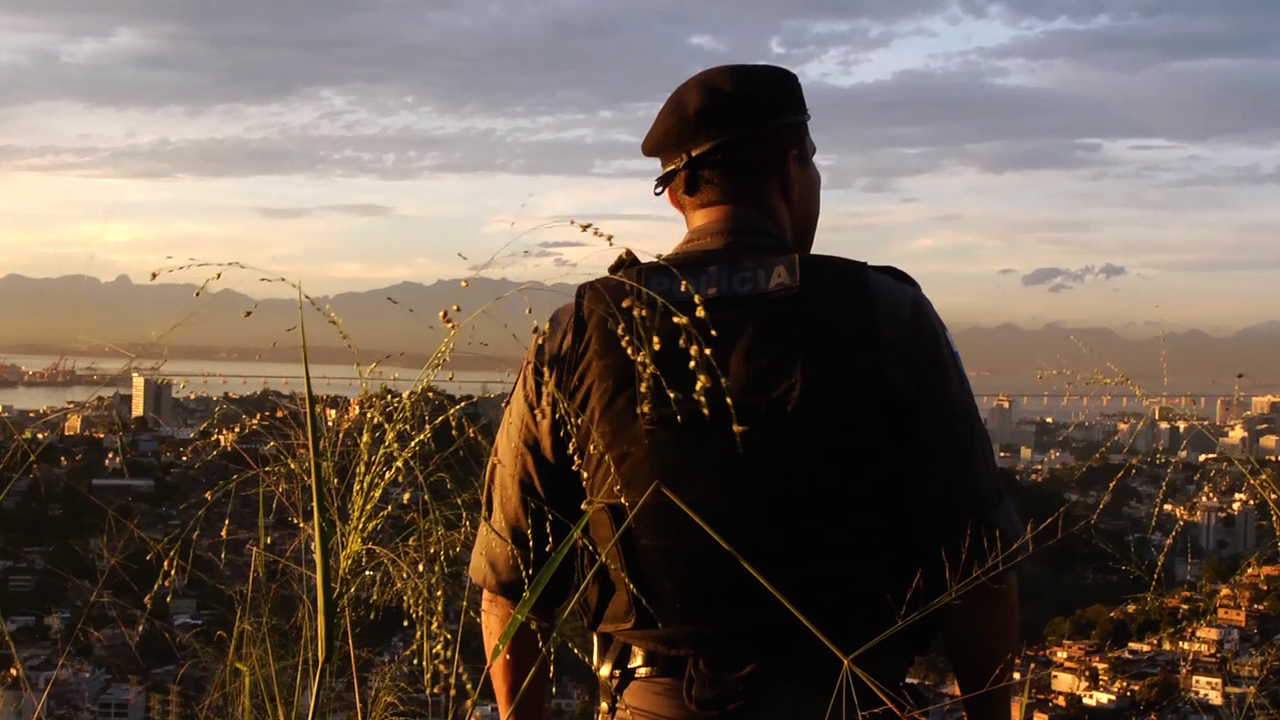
83, 315
1265, 330
1016, 358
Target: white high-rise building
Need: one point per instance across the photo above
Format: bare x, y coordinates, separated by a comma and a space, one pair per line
1265, 405
1140, 435
1000, 421
1245, 536
1209, 516
1223, 416
153, 400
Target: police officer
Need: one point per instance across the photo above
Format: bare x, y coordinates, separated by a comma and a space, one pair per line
759, 471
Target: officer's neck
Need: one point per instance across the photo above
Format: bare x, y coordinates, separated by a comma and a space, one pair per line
728, 213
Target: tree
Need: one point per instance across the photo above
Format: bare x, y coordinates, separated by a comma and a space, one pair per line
1057, 629
1272, 602
1157, 690
1121, 635
1084, 623
1216, 570
1146, 622
1103, 632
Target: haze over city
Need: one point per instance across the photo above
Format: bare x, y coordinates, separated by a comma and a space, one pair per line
1027, 163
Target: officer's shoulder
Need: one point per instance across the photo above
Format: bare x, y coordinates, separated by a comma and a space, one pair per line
850, 265
559, 328
895, 291
895, 274
898, 303
887, 284
561, 317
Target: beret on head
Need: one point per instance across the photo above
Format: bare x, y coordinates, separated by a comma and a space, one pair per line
720, 104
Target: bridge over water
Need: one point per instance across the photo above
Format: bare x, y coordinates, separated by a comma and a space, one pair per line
1027, 400
193, 379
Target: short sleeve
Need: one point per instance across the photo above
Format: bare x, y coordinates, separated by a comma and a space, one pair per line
532, 495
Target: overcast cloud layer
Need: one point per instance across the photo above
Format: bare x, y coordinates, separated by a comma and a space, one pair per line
996, 149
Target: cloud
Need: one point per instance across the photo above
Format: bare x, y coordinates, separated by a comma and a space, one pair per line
1109, 270
400, 91
1063, 276
1043, 276
390, 156
870, 162
284, 213
1134, 36
1059, 288
1070, 225
563, 244
363, 210
1241, 175
157, 53
1006, 271
515, 259
1174, 65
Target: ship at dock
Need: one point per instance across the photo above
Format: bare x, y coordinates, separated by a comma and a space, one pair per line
10, 375
64, 373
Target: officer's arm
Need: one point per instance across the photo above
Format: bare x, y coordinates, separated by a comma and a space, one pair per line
980, 630
530, 493
981, 533
520, 672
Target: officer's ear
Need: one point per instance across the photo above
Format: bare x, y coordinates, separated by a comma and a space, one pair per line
789, 177
671, 198
795, 169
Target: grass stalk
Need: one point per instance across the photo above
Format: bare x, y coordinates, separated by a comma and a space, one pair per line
325, 596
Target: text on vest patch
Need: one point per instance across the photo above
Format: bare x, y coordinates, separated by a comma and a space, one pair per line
748, 278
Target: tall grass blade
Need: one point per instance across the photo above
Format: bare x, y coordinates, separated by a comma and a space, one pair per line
321, 514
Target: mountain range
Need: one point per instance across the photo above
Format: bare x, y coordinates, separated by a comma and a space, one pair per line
83, 315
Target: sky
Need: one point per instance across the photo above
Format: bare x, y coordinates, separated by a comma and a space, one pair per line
1099, 162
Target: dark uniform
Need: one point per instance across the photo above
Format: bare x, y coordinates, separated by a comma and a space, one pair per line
764, 462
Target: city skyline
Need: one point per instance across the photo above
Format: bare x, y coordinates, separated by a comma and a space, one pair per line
1026, 166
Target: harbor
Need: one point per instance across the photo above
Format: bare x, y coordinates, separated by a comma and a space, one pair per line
63, 372
36, 381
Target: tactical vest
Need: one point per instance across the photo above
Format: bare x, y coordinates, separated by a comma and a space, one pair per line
743, 387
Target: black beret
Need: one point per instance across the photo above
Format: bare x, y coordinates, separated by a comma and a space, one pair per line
719, 104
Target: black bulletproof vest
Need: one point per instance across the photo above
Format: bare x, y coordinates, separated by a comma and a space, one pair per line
745, 386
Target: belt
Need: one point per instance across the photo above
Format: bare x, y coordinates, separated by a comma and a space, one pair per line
616, 663
634, 662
